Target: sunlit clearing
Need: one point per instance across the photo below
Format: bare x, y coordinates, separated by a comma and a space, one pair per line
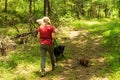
26, 68
92, 22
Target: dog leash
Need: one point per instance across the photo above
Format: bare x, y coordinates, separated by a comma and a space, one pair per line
55, 43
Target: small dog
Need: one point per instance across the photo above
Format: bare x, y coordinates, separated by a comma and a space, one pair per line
82, 61
58, 50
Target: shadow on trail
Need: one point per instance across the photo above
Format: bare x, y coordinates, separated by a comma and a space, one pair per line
87, 45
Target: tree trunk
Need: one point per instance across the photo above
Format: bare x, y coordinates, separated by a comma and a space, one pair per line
6, 5
49, 8
30, 7
45, 7
5, 17
34, 6
98, 14
107, 11
30, 14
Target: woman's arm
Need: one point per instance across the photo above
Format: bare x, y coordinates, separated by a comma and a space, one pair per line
38, 35
53, 36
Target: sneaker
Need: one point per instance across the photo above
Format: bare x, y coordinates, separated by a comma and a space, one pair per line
42, 74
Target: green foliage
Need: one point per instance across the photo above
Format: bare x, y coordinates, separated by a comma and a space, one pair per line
113, 60
66, 20
111, 36
109, 29
19, 11
113, 65
59, 9
10, 64
117, 4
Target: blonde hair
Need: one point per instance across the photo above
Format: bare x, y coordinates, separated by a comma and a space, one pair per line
46, 20
39, 21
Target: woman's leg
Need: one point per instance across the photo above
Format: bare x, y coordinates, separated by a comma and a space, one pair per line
43, 58
51, 52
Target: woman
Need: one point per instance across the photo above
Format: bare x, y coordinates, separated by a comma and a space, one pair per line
46, 34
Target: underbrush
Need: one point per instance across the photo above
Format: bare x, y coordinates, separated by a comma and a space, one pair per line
20, 64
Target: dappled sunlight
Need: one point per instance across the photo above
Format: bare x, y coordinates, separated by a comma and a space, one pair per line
5, 74
25, 68
24, 62
4, 58
63, 32
11, 31
89, 30
90, 23
84, 42
97, 78
101, 60
74, 34
115, 75
97, 22
98, 60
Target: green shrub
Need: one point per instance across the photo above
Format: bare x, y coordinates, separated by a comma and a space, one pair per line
111, 36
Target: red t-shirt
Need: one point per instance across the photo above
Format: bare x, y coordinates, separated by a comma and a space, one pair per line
46, 34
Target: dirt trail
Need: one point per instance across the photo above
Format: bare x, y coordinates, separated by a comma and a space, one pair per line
80, 43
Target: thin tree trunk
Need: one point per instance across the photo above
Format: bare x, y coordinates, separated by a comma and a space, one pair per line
6, 5
98, 14
5, 13
34, 6
30, 7
30, 14
49, 8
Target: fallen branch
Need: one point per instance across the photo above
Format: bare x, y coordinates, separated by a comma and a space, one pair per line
25, 34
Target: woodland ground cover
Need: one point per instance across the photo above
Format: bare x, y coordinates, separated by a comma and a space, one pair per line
97, 39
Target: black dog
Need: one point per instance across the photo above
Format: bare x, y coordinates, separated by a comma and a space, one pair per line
58, 50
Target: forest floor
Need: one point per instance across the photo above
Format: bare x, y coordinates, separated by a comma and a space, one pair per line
79, 43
